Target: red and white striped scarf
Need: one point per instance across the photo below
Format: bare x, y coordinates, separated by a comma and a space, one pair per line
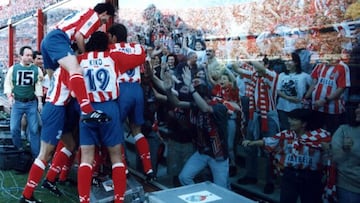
312, 139
263, 102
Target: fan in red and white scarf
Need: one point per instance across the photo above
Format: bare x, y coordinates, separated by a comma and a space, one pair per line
303, 148
262, 95
298, 153
260, 88
307, 145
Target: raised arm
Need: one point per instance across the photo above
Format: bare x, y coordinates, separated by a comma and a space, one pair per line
200, 102
171, 97
237, 67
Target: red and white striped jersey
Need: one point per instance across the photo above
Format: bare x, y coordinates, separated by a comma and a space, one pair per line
329, 79
132, 75
58, 92
298, 151
100, 76
102, 70
86, 22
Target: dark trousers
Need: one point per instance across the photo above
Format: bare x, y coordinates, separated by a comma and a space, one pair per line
300, 183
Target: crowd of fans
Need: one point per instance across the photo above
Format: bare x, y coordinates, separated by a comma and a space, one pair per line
262, 21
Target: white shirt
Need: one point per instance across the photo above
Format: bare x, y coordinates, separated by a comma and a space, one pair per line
294, 85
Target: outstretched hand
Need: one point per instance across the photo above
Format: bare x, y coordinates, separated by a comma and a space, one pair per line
186, 75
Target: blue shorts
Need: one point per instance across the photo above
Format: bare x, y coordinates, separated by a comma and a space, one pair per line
131, 103
107, 134
56, 45
57, 120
